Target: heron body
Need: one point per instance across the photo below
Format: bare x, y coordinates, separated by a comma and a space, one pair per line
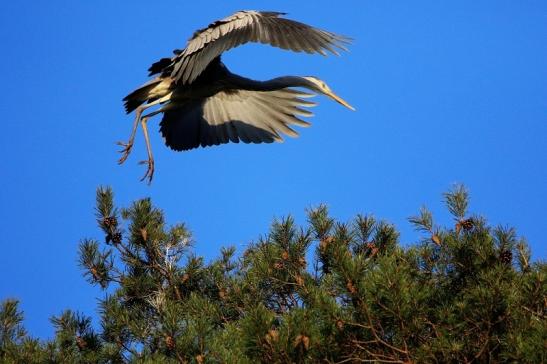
204, 104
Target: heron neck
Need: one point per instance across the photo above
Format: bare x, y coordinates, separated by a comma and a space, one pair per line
270, 85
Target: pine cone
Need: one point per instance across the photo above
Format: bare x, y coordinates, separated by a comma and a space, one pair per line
506, 257
110, 221
435, 238
325, 242
272, 336
467, 224
302, 340
351, 288
222, 294
95, 273
80, 342
373, 250
169, 342
117, 238
185, 278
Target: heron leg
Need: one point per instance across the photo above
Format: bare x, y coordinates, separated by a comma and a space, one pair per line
150, 162
138, 112
129, 145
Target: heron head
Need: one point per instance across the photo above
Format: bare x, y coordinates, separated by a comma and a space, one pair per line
321, 87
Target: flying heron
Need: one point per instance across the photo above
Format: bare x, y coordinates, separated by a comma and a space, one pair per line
204, 104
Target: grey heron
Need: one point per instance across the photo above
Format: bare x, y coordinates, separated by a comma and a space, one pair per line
204, 104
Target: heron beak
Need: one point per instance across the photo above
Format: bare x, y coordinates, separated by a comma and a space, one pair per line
339, 100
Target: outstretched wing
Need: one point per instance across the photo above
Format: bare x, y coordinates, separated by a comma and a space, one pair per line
250, 26
249, 116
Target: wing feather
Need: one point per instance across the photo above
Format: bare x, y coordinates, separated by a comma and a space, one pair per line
233, 116
250, 26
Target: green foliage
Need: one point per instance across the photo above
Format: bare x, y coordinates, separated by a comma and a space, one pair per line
464, 293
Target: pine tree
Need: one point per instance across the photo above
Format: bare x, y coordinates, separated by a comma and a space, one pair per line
468, 292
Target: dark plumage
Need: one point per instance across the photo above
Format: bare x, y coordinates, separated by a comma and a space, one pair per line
204, 104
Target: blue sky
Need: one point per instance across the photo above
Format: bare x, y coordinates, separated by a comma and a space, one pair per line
444, 92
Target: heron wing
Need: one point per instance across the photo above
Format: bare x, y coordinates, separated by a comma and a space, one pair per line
233, 116
250, 26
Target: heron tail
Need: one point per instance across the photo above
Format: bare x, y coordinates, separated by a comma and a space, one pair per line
141, 95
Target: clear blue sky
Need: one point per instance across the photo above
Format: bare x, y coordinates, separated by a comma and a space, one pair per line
445, 92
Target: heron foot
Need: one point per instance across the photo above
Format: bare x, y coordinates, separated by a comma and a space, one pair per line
125, 151
149, 171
